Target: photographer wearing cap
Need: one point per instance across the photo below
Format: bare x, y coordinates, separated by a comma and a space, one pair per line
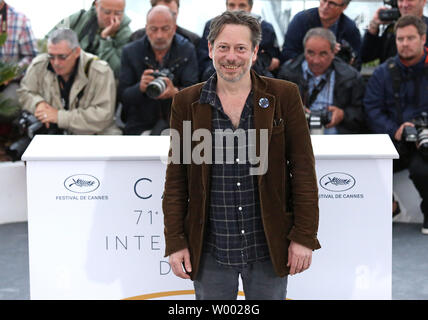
332, 91
396, 100
153, 70
381, 45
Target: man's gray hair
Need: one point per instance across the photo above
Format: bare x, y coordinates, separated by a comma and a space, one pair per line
322, 33
64, 34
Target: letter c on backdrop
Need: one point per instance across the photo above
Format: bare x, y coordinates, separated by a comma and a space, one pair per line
138, 192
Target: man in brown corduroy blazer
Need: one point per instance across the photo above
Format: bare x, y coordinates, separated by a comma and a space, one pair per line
239, 218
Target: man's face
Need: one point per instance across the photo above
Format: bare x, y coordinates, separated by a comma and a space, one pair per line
411, 7
160, 29
331, 10
62, 58
318, 54
410, 44
235, 5
232, 52
107, 10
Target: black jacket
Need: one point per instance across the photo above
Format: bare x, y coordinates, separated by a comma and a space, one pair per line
141, 112
348, 91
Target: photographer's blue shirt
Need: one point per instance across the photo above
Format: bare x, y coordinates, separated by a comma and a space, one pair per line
325, 96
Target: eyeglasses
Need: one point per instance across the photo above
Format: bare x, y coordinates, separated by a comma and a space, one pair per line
61, 57
108, 12
332, 4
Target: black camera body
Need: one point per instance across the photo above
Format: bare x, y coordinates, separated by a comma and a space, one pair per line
156, 87
418, 133
389, 15
28, 125
318, 118
346, 52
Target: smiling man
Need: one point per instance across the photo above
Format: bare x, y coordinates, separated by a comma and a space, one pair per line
267, 62
70, 89
221, 221
326, 83
328, 15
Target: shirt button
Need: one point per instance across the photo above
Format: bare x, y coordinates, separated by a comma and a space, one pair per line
238, 184
237, 160
242, 231
240, 208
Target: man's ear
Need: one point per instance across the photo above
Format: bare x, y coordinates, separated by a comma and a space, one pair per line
210, 49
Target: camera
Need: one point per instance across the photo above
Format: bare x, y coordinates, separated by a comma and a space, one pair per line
390, 14
418, 133
28, 125
346, 52
156, 87
318, 118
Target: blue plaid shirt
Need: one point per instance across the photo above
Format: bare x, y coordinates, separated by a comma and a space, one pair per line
235, 231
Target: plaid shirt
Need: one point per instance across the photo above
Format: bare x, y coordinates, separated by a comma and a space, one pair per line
20, 45
235, 233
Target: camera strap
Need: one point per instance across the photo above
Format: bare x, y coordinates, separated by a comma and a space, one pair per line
397, 80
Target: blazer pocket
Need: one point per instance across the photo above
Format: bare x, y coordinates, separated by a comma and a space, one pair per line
276, 129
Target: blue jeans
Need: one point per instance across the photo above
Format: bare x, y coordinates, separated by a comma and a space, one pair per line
217, 282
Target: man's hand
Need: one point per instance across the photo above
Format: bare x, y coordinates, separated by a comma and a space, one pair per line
46, 114
337, 116
375, 22
146, 78
399, 133
178, 260
112, 28
170, 90
299, 258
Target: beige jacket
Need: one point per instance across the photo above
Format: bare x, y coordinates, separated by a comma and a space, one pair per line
95, 111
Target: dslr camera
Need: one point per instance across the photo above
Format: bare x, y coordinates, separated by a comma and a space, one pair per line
156, 87
318, 118
28, 126
390, 14
418, 133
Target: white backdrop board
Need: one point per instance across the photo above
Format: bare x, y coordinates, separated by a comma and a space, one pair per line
96, 223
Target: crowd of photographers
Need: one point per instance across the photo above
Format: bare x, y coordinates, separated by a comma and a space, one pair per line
98, 77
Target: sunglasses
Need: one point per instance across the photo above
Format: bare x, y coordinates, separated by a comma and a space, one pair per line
61, 57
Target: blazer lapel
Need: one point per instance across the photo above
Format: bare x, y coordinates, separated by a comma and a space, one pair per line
201, 119
264, 111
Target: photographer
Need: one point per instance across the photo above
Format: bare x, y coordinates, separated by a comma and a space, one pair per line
161, 49
102, 30
382, 46
396, 95
70, 89
329, 87
328, 15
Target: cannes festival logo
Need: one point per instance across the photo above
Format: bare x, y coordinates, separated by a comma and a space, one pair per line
81, 183
337, 181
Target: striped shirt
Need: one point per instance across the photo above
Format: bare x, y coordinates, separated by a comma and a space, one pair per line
235, 230
20, 46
